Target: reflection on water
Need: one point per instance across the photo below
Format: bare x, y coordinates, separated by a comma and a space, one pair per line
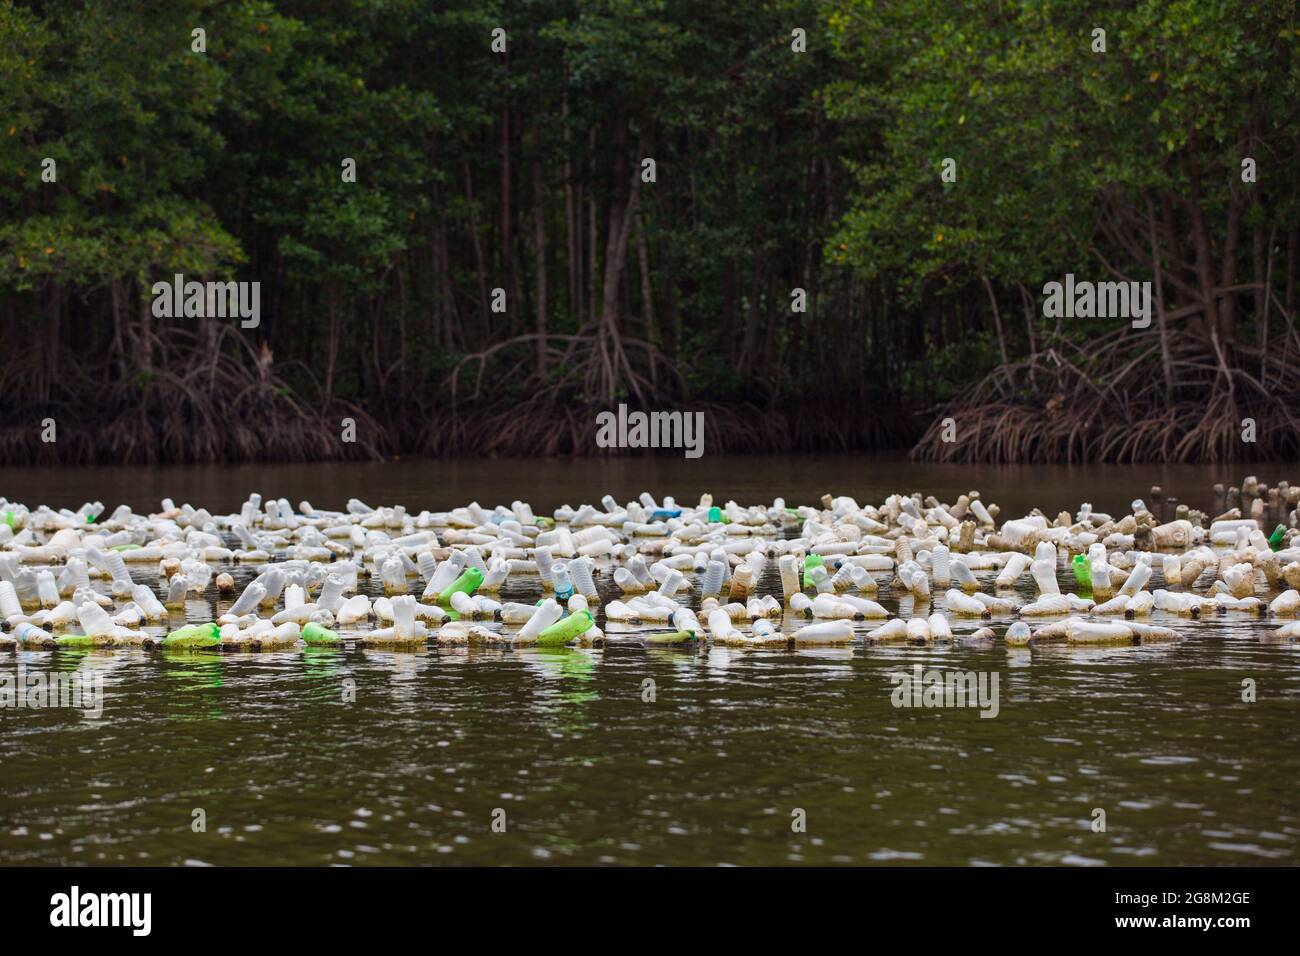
289, 769
325, 756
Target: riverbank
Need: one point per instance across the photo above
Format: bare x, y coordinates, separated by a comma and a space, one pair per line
270, 425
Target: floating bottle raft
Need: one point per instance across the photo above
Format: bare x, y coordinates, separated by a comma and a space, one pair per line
656, 573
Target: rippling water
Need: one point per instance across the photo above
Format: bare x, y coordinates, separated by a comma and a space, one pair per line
714, 770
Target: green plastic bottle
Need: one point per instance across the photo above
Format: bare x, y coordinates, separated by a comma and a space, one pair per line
811, 561
1082, 571
313, 633
1277, 537
566, 629
715, 515
194, 635
468, 582
81, 640
672, 637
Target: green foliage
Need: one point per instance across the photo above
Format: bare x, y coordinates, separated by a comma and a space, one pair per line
1047, 134
776, 171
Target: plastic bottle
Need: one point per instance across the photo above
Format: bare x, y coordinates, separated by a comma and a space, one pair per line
1101, 584
712, 585
545, 563
1018, 634
354, 609
30, 634
642, 572
442, 578
464, 605
1277, 538
249, 601
941, 566
514, 612
1044, 573
149, 604
580, 571
313, 633
194, 635
827, 632
627, 581
673, 582
561, 581
811, 561
94, 619
1082, 571
46, 589
720, 625
1137, 579
404, 615
467, 583
547, 613
427, 564
273, 582
789, 576
393, 574
862, 579
817, 576
121, 576
331, 593
684, 619
565, 630
75, 575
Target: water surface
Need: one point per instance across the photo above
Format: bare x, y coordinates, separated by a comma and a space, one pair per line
355, 757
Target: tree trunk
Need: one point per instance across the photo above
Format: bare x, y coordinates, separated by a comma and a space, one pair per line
1201, 244
620, 225
1166, 362
539, 190
997, 317
479, 259
332, 344
507, 257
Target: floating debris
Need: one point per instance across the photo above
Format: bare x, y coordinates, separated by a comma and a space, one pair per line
758, 576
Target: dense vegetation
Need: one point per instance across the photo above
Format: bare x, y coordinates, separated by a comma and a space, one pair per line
783, 161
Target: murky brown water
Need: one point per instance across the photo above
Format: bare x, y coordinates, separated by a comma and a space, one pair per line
714, 770
546, 484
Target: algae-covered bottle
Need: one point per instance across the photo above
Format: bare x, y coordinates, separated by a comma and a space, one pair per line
314, 633
194, 635
566, 629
